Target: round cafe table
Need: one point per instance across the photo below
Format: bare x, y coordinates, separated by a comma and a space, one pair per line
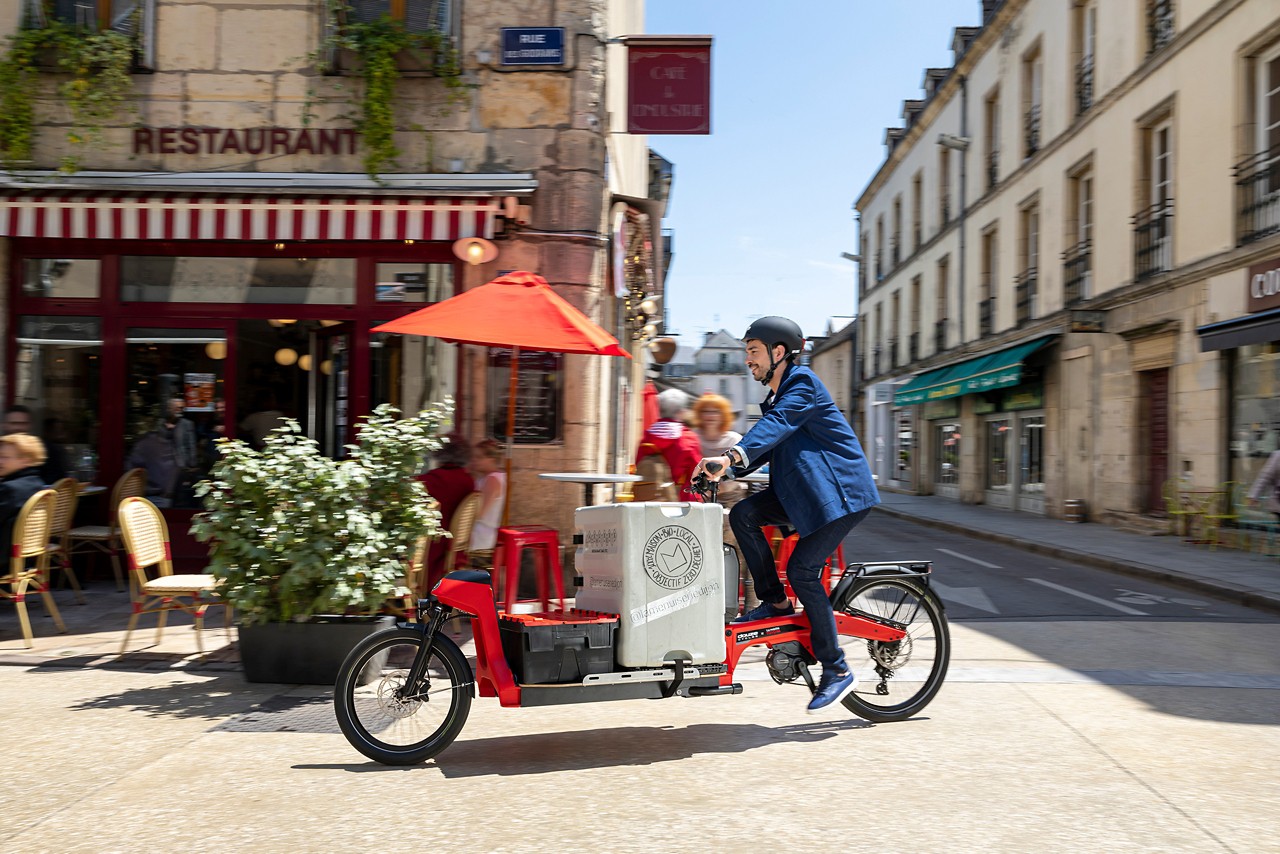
589, 479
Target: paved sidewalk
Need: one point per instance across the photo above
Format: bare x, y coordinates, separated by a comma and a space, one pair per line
1248, 578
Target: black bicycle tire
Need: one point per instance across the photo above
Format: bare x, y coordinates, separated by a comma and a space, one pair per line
361, 739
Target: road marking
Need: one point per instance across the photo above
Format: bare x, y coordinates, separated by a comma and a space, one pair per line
974, 597
1123, 609
970, 559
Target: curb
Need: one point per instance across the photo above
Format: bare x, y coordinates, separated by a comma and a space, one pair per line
1220, 589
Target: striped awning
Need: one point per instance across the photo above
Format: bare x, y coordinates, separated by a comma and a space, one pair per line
205, 216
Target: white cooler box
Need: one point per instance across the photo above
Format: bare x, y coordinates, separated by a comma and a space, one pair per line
660, 567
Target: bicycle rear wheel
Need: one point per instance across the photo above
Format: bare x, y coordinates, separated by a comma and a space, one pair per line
896, 679
386, 720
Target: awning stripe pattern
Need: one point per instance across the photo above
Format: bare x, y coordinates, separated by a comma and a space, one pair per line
205, 217
1001, 369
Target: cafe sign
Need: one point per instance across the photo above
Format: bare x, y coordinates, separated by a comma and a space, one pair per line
240, 141
669, 84
1264, 285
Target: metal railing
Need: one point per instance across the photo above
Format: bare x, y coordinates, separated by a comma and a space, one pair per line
1077, 273
1025, 292
940, 335
1084, 85
1031, 129
1258, 196
986, 316
1159, 24
1153, 241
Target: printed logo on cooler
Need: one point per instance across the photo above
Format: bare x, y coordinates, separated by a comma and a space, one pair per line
672, 557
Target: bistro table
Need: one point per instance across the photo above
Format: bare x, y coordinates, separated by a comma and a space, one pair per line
88, 490
589, 479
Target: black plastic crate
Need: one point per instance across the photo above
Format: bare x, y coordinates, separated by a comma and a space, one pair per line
560, 647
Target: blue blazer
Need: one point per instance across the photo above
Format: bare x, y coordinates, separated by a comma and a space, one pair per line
816, 464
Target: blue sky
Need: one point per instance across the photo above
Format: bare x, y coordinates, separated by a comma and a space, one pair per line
763, 206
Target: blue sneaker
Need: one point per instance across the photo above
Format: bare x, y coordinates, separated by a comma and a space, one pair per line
765, 611
832, 687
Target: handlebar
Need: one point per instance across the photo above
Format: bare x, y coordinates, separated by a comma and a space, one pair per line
706, 487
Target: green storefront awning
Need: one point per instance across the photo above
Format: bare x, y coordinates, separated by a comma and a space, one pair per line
994, 370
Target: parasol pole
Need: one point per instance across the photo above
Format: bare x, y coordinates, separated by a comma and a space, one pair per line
511, 427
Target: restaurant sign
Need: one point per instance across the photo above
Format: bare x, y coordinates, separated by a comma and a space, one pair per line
669, 84
1264, 285
240, 141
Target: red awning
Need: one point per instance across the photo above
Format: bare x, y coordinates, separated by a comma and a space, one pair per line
98, 216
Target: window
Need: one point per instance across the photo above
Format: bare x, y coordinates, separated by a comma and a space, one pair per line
134, 18
1258, 176
1085, 24
1160, 24
879, 249
60, 278
57, 373
1026, 284
414, 283
895, 243
1153, 224
895, 328
419, 16
992, 131
154, 278
946, 454
944, 186
987, 303
917, 211
1077, 268
723, 362
1032, 77
539, 388
942, 311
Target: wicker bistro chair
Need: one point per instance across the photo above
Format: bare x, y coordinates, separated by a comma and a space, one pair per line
29, 560
146, 543
105, 539
416, 581
1224, 511
1179, 512
68, 491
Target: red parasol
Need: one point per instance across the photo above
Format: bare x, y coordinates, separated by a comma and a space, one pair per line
518, 310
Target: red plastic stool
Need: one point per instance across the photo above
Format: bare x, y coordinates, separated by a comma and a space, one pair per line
511, 543
829, 571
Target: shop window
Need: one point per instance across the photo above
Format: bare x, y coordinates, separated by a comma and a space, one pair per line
60, 278
1031, 455
411, 372
294, 281
57, 377
1255, 409
998, 475
539, 390
414, 283
947, 454
175, 409
905, 443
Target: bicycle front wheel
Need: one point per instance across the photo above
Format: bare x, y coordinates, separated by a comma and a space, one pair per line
386, 719
896, 679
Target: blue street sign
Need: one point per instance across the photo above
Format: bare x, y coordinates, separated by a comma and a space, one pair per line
533, 45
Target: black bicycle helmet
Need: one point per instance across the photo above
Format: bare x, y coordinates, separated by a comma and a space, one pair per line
774, 331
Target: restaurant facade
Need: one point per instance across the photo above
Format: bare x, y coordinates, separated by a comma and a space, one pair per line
230, 250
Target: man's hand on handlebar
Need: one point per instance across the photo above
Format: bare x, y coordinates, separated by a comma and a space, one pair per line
713, 467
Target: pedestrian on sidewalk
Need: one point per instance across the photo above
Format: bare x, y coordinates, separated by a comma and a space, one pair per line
820, 484
1266, 487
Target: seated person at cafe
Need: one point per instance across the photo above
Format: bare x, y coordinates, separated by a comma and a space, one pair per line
21, 456
17, 419
264, 418
155, 453
448, 483
486, 458
671, 438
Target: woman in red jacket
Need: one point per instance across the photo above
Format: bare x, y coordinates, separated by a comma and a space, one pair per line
448, 483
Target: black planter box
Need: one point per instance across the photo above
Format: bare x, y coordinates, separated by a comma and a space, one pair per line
557, 646
307, 653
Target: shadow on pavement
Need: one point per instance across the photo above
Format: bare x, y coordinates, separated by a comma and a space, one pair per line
215, 698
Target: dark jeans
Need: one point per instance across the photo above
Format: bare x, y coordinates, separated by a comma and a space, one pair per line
804, 568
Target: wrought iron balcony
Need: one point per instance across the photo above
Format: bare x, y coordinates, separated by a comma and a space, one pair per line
1077, 273
1025, 292
940, 335
1159, 24
1258, 195
993, 168
913, 347
986, 316
1084, 85
1153, 241
1031, 129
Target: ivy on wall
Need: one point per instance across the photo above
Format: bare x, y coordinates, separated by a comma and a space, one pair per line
96, 89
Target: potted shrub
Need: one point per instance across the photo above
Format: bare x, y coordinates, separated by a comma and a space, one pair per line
308, 547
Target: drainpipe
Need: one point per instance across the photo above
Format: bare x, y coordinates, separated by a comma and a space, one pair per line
964, 199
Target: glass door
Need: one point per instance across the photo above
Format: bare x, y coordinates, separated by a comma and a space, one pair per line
998, 477
1031, 463
946, 459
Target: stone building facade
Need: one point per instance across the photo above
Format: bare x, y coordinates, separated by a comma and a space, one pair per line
226, 214
1058, 256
